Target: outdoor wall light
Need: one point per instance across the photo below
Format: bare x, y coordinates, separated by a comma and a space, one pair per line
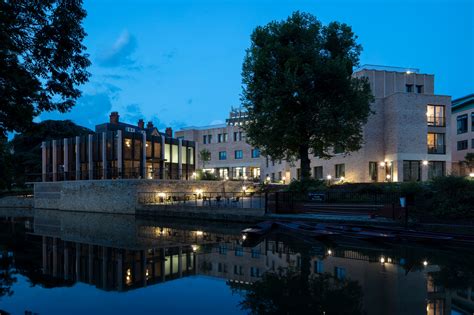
268, 178
388, 176
194, 247
471, 175
329, 177
329, 252
382, 259
425, 263
199, 233
342, 178
382, 164
425, 162
194, 175
244, 237
162, 195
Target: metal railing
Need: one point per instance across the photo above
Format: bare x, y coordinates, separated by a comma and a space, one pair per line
437, 149
202, 199
434, 121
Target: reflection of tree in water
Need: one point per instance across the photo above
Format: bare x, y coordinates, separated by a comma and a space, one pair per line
6, 277
289, 292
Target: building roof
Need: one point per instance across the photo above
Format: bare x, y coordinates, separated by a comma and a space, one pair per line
387, 68
463, 103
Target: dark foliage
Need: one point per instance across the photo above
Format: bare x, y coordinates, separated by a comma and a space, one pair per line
299, 91
42, 59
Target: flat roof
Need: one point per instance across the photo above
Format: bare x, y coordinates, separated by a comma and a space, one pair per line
203, 127
387, 68
463, 102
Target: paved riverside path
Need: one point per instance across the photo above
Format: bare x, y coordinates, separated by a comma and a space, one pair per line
361, 219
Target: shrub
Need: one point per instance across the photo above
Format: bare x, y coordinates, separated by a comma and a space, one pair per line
303, 186
452, 197
206, 175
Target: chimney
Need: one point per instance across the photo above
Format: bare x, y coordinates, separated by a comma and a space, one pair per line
114, 118
169, 132
149, 125
141, 123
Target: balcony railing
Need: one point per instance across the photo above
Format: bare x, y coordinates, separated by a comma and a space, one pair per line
434, 121
437, 149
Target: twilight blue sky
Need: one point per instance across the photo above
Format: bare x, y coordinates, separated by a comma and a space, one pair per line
178, 62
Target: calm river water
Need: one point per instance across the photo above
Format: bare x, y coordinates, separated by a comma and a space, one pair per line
75, 263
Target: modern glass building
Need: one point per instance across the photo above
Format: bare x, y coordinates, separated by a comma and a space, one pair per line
119, 150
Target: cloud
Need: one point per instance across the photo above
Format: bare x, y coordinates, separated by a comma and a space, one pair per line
133, 113
121, 53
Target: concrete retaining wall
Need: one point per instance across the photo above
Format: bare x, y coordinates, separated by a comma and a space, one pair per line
116, 196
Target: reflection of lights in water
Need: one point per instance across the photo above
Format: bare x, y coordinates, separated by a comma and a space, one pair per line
128, 278
146, 273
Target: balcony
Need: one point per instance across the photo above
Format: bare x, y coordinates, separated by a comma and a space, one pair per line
437, 149
434, 121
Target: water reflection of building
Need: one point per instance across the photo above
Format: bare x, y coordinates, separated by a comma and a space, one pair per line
111, 268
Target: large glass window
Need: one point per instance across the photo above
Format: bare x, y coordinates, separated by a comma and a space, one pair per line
373, 171
435, 115
411, 171
204, 139
436, 169
222, 155
461, 124
255, 153
340, 170
436, 144
318, 172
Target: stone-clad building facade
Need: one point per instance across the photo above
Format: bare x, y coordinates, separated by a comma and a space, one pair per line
231, 156
119, 150
406, 139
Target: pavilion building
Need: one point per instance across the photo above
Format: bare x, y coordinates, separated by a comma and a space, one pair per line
119, 150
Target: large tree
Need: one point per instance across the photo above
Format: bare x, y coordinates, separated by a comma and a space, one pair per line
42, 59
299, 90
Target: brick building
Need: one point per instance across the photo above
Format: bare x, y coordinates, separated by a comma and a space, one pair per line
231, 156
406, 139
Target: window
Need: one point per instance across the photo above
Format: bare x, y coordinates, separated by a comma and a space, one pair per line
225, 137
219, 137
239, 251
436, 169
318, 266
254, 272
435, 143
204, 139
340, 170
256, 154
462, 145
340, 273
472, 144
279, 176
255, 253
238, 270
462, 123
409, 88
419, 89
222, 155
209, 138
318, 172
298, 173
411, 171
273, 177
373, 171
435, 115
238, 136
223, 249
238, 154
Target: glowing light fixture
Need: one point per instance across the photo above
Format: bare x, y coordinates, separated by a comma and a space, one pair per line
194, 247
425, 263
244, 237
199, 233
425, 162
342, 178
329, 177
471, 175
382, 164
329, 252
382, 259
